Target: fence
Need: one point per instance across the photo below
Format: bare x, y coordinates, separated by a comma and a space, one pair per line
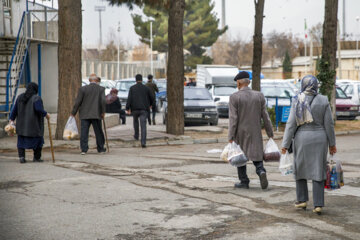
114, 70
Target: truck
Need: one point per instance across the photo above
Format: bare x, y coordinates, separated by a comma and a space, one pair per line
219, 80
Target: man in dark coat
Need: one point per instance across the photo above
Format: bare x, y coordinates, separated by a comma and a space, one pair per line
154, 89
29, 114
139, 101
90, 103
246, 109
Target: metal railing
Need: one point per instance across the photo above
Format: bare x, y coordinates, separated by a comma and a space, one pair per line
17, 63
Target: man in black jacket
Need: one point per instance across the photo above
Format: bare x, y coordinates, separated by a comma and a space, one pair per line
91, 105
140, 99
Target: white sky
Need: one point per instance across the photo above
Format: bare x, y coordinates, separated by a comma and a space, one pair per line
280, 15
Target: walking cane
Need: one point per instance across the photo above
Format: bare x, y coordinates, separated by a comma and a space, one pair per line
106, 138
51, 143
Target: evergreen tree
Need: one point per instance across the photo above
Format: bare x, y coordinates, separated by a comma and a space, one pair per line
200, 29
287, 65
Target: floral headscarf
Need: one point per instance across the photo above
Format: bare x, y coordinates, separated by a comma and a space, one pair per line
309, 87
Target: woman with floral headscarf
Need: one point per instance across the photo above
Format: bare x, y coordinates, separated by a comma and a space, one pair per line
29, 114
310, 130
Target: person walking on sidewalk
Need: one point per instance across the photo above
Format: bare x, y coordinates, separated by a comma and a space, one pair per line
140, 99
90, 103
154, 89
310, 130
246, 109
29, 114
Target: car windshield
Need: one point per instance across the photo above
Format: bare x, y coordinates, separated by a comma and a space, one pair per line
277, 91
224, 90
107, 84
197, 94
161, 85
349, 89
340, 93
125, 85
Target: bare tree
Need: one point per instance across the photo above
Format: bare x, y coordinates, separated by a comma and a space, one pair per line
69, 59
257, 52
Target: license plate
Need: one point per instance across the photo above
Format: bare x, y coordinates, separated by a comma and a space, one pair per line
343, 113
194, 115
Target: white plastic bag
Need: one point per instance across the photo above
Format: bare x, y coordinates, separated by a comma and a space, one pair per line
286, 164
10, 129
271, 152
225, 152
236, 156
71, 130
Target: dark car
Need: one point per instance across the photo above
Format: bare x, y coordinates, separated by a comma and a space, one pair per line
199, 107
345, 107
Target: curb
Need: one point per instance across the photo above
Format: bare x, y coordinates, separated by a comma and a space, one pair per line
179, 140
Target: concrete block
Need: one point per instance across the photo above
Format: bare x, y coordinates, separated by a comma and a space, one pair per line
181, 142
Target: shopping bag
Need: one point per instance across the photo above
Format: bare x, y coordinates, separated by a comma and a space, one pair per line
225, 152
10, 129
271, 152
236, 155
286, 164
70, 130
334, 173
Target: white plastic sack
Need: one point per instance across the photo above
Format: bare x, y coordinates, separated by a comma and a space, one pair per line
236, 156
10, 129
71, 130
286, 164
271, 152
225, 152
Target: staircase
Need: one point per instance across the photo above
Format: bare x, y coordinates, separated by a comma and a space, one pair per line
13, 57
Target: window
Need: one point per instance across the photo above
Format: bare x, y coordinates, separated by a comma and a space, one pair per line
224, 90
349, 90
196, 94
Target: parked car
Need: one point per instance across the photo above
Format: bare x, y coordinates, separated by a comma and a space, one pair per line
221, 95
345, 107
352, 90
161, 95
281, 89
123, 87
199, 107
108, 85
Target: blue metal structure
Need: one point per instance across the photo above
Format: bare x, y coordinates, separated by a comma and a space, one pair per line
21, 57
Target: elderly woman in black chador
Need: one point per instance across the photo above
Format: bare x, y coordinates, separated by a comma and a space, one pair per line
29, 114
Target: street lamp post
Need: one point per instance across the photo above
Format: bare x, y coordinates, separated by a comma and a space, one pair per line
118, 52
151, 47
357, 45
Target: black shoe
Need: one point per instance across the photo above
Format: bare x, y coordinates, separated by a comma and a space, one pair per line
22, 160
38, 160
136, 138
154, 123
143, 145
263, 180
102, 150
241, 185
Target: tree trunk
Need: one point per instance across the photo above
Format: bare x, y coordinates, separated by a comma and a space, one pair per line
330, 45
69, 59
257, 52
175, 73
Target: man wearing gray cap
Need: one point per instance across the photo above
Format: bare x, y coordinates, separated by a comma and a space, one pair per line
246, 109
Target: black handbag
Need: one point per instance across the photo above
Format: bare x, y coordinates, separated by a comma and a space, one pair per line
290, 149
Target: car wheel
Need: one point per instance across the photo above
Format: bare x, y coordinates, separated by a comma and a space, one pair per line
215, 123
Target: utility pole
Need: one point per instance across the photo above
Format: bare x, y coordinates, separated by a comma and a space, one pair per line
343, 19
100, 9
151, 49
223, 14
118, 52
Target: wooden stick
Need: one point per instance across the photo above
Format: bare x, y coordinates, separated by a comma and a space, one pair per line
106, 138
51, 143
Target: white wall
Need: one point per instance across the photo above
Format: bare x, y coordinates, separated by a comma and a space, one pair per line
49, 73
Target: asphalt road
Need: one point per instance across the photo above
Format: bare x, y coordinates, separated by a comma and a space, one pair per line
167, 192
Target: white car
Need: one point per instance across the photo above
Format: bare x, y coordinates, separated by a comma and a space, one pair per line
221, 95
352, 90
